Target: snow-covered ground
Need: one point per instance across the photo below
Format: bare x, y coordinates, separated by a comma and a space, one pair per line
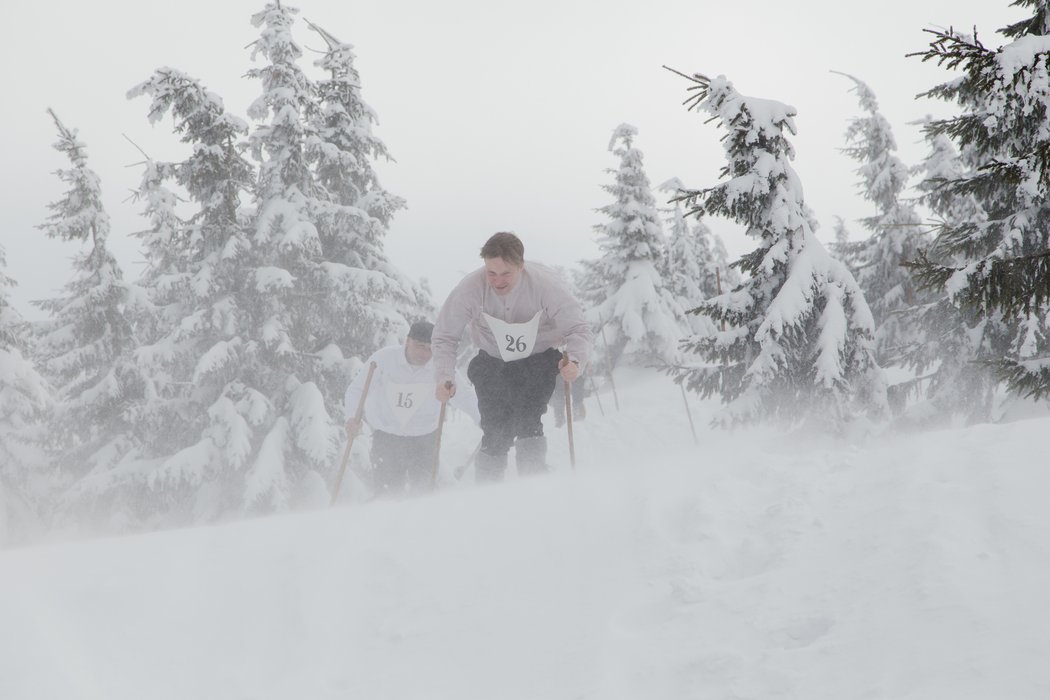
751, 567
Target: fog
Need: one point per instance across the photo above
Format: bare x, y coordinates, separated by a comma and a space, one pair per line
752, 565
674, 561
499, 116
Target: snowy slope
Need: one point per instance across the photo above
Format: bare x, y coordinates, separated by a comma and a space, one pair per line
754, 568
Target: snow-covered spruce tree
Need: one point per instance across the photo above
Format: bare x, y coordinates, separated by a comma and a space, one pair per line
798, 344
644, 323
291, 203
896, 233
235, 370
841, 234
87, 346
262, 305
371, 298
206, 404
844, 249
729, 277
1003, 260
689, 268
25, 397
341, 153
951, 354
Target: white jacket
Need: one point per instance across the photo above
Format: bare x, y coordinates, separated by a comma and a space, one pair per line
401, 397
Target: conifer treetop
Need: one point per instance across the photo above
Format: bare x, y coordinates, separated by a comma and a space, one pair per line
672, 186
78, 215
625, 133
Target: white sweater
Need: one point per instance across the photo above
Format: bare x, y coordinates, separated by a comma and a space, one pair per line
401, 397
539, 289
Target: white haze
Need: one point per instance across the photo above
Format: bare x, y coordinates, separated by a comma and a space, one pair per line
499, 115
753, 566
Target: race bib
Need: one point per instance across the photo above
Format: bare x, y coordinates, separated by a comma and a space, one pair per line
405, 399
514, 340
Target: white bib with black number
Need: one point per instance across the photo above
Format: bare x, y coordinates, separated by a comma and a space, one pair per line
405, 399
514, 340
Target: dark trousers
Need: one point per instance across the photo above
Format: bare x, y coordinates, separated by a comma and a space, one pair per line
401, 462
512, 396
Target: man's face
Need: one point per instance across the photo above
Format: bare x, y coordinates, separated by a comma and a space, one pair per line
416, 352
502, 275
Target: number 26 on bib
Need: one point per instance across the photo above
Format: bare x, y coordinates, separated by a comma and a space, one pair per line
514, 340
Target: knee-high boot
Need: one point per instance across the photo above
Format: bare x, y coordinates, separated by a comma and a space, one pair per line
489, 468
530, 453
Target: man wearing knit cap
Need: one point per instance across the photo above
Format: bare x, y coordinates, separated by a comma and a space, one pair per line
403, 412
519, 316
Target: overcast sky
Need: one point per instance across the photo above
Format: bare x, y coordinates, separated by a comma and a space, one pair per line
498, 114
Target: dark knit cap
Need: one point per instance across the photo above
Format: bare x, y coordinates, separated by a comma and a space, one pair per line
421, 331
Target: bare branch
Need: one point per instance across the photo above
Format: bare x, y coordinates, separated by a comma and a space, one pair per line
144, 154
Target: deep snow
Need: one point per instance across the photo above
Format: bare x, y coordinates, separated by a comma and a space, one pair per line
755, 566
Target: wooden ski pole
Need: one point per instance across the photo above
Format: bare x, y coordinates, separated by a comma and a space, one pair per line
605, 342
568, 414
358, 416
462, 469
689, 414
437, 439
596, 397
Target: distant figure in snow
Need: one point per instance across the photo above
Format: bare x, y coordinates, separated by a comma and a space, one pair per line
557, 402
518, 316
403, 413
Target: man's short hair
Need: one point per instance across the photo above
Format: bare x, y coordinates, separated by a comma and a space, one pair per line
504, 245
421, 331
